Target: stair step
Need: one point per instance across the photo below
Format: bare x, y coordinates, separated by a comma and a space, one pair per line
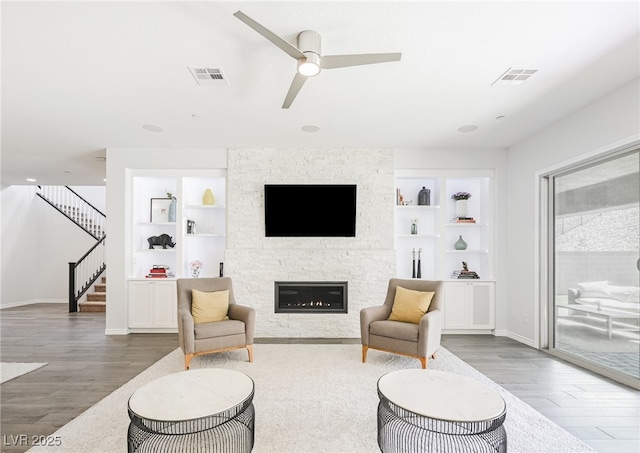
96, 297
96, 307
100, 287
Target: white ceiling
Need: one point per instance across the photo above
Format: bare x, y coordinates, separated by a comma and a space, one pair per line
80, 77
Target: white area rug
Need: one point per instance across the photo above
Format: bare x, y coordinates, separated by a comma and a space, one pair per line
309, 398
11, 370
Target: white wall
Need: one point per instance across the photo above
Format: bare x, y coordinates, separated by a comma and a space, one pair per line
19, 245
604, 125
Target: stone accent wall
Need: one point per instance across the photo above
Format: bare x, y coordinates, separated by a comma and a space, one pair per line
255, 262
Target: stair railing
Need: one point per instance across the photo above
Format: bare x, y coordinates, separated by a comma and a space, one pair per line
84, 272
75, 208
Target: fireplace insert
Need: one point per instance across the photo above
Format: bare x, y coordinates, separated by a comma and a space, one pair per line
311, 297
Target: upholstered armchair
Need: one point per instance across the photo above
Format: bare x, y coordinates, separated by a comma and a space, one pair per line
420, 337
234, 330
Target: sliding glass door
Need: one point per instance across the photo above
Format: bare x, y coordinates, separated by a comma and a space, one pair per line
594, 263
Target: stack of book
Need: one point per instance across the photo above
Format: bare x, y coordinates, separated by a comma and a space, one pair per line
464, 274
160, 271
464, 220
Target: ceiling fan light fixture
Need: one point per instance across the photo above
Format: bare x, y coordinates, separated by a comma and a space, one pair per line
309, 66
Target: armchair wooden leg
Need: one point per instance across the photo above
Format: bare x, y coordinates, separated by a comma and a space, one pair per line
364, 353
187, 361
250, 351
423, 361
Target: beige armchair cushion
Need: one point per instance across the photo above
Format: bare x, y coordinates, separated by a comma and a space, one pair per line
209, 306
409, 305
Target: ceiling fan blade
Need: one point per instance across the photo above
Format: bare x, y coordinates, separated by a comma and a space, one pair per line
297, 83
275, 39
342, 61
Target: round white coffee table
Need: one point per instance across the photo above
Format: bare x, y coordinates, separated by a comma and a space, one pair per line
208, 410
430, 410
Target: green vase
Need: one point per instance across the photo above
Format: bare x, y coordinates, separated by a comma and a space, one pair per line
460, 244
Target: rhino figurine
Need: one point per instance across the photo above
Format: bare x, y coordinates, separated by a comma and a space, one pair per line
163, 240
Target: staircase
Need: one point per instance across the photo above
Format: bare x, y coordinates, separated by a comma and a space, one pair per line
85, 271
96, 300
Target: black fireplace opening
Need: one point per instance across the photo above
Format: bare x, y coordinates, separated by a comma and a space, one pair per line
311, 297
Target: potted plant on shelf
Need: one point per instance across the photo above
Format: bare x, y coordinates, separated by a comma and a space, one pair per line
461, 203
195, 268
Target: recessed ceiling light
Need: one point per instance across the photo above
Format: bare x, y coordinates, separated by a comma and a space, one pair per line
468, 128
67, 172
31, 180
310, 128
152, 128
195, 116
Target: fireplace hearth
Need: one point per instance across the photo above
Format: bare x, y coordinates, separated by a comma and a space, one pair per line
311, 297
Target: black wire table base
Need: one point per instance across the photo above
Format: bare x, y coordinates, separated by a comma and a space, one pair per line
231, 431
402, 431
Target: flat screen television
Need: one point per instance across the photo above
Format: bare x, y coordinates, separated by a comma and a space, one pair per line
310, 210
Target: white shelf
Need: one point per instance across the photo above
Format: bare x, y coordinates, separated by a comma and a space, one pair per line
416, 236
466, 251
204, 206
416, 206
155, 223
205, 235
466, 224
155, 250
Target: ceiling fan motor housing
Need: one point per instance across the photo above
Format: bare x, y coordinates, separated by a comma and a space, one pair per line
309, 44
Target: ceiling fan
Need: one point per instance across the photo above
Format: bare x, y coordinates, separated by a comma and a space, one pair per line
310, 61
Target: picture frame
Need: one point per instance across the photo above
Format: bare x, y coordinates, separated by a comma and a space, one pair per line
160, 210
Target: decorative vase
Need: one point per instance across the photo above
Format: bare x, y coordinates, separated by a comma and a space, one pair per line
208, 198
172, 210
460, 244
414, 228
461, 208
424, 197
195, 273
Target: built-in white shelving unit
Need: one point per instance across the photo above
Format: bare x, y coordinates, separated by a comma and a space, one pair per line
437, 233
199, 234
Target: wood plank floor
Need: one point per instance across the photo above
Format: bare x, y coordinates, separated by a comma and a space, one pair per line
84, 366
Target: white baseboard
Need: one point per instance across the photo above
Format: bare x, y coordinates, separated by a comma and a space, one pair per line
467, 332
520, 339
33, 301
116, 331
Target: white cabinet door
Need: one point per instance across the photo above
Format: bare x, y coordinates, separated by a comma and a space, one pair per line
455, 305
166, 304
140, 304
152, 304
469, 305
482, 306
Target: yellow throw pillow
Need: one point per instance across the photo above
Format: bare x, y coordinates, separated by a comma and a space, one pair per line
209, 307
409, 305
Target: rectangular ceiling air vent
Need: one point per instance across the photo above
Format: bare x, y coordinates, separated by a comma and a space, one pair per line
514, 76
209, 76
